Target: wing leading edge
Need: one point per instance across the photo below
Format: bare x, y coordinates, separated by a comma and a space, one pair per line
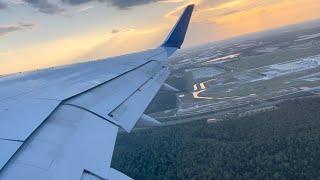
74, 137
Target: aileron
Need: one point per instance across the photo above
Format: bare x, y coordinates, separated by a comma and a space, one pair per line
130, 111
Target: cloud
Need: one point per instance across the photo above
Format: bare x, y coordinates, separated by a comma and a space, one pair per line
124, 4
77, 2
6, 29
4, 53
17, 2
3, 5
127, 40
45, 6
175, 13
84, 9
114, 31
53, 53
121, 4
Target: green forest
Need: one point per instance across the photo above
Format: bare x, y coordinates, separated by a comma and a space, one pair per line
279, 144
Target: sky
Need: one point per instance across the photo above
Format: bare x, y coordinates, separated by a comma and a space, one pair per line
43, 33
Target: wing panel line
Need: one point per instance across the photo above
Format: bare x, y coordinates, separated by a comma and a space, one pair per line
139, 89
14, 140
82, 108
148, 61
29, 136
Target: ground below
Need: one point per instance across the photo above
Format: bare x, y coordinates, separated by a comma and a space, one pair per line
278, 144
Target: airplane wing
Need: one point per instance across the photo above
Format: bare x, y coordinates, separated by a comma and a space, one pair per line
62, 123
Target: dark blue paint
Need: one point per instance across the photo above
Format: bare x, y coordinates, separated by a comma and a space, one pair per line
177, 35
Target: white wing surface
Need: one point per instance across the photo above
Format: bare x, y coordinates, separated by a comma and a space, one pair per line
62, 123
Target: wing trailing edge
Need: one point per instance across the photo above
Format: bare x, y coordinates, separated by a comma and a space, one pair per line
178, 33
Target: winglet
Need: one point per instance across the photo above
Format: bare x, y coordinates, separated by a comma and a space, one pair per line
176, 37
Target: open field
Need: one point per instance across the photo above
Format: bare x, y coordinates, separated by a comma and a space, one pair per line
243, 72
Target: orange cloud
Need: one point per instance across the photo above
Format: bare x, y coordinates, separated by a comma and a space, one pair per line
268, 16
177, 11
225, 19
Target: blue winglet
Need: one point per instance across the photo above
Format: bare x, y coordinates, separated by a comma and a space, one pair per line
176, 37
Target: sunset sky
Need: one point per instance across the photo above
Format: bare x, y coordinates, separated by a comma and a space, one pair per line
42, 33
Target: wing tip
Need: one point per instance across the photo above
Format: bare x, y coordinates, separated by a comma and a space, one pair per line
177, 35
